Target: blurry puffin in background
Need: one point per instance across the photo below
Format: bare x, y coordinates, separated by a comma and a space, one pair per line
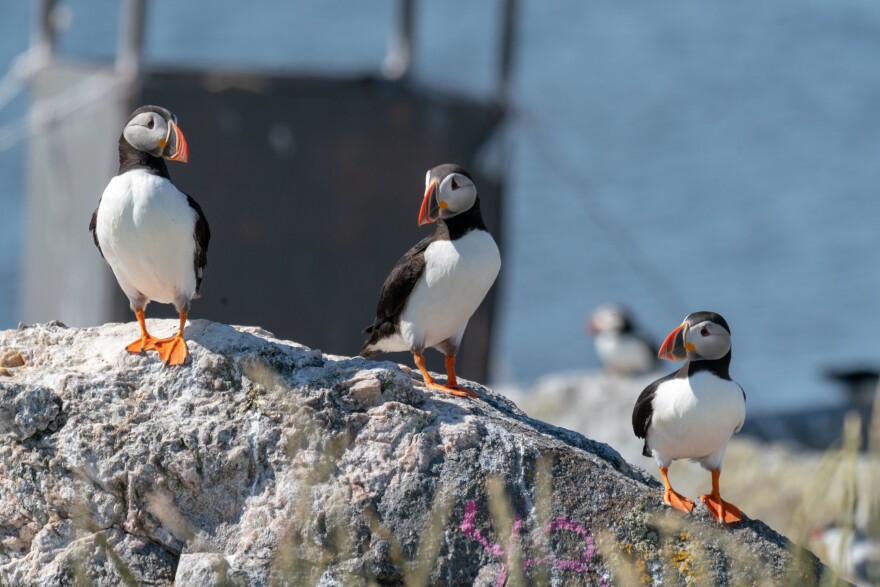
620, 347
434, 289
693, 412
153, 236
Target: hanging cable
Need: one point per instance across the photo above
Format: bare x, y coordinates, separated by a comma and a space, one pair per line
664, 292
84, 94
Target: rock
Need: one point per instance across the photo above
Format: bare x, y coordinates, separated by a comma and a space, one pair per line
263, 462
11, 359
25, 411
200, 569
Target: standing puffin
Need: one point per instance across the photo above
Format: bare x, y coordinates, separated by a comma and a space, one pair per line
435, 288
153, 236
621, 348
693, 412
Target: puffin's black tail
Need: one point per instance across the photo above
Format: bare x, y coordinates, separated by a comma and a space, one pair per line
645, 450
377, 331
371, 339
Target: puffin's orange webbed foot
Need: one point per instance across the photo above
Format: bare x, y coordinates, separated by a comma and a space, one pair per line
452, 381
173, 351
147, 342
144, 343
672, 497
470, 393
457, 391
678, 501
724, 512
453, 389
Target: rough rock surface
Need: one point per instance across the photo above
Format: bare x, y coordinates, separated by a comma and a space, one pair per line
264, 462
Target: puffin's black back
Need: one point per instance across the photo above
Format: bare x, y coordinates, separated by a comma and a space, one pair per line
394, 294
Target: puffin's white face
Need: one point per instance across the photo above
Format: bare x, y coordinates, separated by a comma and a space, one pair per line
456, 194
707, 340
607, 318
151, 133
446, 196
696, 340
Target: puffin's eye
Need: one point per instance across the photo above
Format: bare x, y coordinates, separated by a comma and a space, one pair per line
151, 124
454, 185
704, 331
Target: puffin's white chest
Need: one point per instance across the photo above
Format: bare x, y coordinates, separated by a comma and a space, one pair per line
146, 231
624, 353
695, 418
458, 274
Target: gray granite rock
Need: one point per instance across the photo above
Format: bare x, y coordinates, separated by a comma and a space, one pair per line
198, 569
262, 462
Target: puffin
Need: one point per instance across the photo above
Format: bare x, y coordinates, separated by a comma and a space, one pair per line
693, 412
434, 289
621, 348
153, 235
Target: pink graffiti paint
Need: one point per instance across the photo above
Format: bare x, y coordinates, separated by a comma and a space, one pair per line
470, 530
581, 565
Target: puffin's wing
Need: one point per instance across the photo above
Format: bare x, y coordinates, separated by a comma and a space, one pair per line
202, 235
644, 409
93, 226
395, 291
739, 427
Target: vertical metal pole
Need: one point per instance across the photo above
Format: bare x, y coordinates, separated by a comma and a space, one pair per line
43, 39
508, 38
399, 56
131, 38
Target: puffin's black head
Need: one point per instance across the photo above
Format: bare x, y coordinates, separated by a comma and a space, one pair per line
702, 336
154, 130
449, 191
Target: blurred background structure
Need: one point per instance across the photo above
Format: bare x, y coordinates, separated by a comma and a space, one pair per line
667, 158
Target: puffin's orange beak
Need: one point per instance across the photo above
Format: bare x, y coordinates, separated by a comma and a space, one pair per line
176, 148
430, 211
674, 348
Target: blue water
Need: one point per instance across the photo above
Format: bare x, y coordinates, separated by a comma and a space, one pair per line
672, 156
